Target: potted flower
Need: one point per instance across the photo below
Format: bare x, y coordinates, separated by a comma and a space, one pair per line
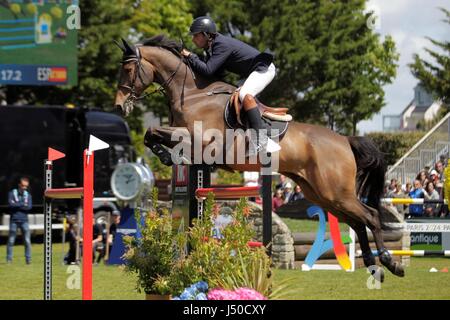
221, 264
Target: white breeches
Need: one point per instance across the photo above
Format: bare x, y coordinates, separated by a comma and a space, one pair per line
257, 81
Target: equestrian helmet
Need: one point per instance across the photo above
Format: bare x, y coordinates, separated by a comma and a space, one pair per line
203, 24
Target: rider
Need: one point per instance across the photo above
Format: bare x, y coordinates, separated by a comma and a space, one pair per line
226, 53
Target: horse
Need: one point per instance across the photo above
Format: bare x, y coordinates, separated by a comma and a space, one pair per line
341, 174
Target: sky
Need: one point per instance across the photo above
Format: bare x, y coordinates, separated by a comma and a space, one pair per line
409, 22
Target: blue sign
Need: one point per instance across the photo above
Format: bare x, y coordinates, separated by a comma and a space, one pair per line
33, 74
126, 227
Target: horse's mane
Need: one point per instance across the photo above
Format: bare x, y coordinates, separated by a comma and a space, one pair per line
163, 42
173, 46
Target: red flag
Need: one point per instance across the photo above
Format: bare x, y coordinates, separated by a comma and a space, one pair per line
54, 154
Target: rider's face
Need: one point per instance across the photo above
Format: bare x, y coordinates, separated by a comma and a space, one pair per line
200, 40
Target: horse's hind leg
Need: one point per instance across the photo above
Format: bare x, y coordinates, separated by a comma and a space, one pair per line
367, 255
352, 208
383, 254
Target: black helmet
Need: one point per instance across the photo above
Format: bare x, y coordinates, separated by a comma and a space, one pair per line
203, 24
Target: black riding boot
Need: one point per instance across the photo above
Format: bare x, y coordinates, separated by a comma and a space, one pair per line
259, 142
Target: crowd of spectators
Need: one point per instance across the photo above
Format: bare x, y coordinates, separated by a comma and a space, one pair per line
284, 193
428, 185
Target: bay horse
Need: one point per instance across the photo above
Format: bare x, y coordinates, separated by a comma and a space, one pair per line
343, 175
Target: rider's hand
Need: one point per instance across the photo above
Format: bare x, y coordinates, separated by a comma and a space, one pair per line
185, 53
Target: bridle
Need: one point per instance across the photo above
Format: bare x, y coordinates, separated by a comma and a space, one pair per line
138, 67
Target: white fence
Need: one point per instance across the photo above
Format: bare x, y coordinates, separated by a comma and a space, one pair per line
434, 145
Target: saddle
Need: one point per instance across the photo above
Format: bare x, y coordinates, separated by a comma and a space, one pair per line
275, 120
276, 114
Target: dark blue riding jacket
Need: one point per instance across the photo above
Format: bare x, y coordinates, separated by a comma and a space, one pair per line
232, 55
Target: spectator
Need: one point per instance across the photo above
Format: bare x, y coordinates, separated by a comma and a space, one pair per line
287, 192
416, 193
71, 238
408, 188
439, 166
277, 200
282, 183
438, 185
398, 193
392, 187
20, 204
297, 195
97, 238
115, 217
423, 178
431, 210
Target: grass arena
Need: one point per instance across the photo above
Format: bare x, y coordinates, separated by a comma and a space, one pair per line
24, 282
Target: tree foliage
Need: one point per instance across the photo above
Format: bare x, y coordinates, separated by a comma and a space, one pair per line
395, 145
331, 65
435, 77
99, 58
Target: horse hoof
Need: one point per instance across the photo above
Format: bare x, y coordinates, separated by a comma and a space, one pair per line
399, 271
166, 160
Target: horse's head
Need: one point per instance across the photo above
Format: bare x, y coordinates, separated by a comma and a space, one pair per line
136, 75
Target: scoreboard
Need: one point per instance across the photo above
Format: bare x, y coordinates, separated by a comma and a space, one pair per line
38, 44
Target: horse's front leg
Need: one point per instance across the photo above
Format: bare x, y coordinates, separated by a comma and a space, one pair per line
161, 139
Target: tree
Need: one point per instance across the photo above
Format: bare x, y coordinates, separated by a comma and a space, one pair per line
99, 58
435, 77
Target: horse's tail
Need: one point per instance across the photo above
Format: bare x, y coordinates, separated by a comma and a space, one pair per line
370, 175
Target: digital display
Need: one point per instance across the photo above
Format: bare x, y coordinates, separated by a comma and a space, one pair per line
38, 42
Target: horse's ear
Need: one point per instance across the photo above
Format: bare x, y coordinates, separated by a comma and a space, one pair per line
121, 47
129, 49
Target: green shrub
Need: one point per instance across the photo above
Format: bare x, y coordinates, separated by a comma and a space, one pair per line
395, 145
227, 262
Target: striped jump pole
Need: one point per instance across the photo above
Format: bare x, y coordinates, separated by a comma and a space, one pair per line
411, 201
414, 253
228, 193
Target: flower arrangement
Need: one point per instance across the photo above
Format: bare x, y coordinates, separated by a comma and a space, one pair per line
237, 294
218, 259
197, 291
151, 256
223, 258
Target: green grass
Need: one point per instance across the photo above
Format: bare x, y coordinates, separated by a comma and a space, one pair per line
21, 281
299, 225
418, 283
